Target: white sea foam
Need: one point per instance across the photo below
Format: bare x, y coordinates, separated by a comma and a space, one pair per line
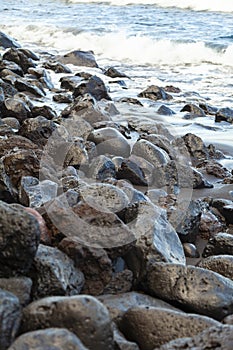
122, 47
197, 5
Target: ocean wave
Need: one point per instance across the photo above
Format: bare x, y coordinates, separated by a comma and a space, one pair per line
121, 47
195, 5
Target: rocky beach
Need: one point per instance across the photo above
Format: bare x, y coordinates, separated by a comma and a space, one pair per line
116, 206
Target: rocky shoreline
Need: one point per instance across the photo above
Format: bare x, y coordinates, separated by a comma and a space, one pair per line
113, 233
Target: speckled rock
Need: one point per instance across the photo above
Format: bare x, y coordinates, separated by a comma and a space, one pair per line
219, 337
222, 264
190, 250
53, 273
101, 168
209, 225
19, 286
193, 288
155, 93
195, 146
10, 316
15, 142
145, 325
95, 87
221, 243
50, 338
20, 235
83, 315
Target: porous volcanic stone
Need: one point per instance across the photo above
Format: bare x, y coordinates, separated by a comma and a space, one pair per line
222, 264
19, 286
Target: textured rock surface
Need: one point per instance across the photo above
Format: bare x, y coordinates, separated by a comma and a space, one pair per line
10, 316
19, 286
221, 243
146, 325
50, 338
83, 315
195, 289
222, 264
79, 58
155, 93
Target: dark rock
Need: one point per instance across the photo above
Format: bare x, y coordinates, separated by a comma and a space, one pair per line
43, 77
210, 110
57, 67
101, 168
84, 75
199, 181
50, 338
95, 87
114, 73
189, 227
152, 153
21, 163
10, 68
195, 146
79, 58
121, 282
23, 85
75, 153
83, 315
12, 122
20, 236
15, 142
145, 325
219, 337
19, 286
10, 316
53, 273
172, 89
29, 54
6, 41
130, 171
63, 98
155, 93
209, 225
19, 58
7, 193
132, 100
194, 110
193, 288
110, 141
119, 304
93, 262
224, 114
164, 110
70, 83
228, 320
221, 243
216, 169
147, 168
8, 89
222, 264
38, 130
15, 107
44, 111
122, 343
190, 250
227, 212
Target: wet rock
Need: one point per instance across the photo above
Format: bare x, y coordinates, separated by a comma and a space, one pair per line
224, 114
19, 57
20, 235
33, 193
49, 338
147, 168
119, 304
164, 110
83, 75
190, 250
53, 273
93, 262
222, 264
131, 100
110, 141
44, 111
188, 229
29, 54
156, 241
209, 225
114, 73
155, 93
57, 67
218, 337
194, 110
95, 87
173, 89
102, 168
29, 86
199, 181
19, 286
83, 315
75, 153
8, 89
63, 98
15, 107
122, 343
10, 315
79, 58
121, 282
152, 153
15, 142
221, 243
214, 168
10, 68
21, 163
210, 110
227, 212
7, 193
130, 171
12, 122
38, 130
195, 146
145, 325
6, 41
193, 288
70, 83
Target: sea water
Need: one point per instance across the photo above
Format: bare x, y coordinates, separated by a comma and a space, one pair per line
184, 43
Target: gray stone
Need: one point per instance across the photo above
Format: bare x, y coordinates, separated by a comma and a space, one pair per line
33, 87
155, 93
70, 82
146, 325
15, 107
83, 315
53, 273
10, 316
130, 171
44, 111
220, 337
50, 338
152, 153
195, 146
17, 56
79, 58
224, 114
101, 168
114, 73
221, 243
193, 288
194, 110
57, 67
222, 264
19, 286
164, 110
6, 41
95, 87
122, 343
20, 235
7, 193
190, 250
